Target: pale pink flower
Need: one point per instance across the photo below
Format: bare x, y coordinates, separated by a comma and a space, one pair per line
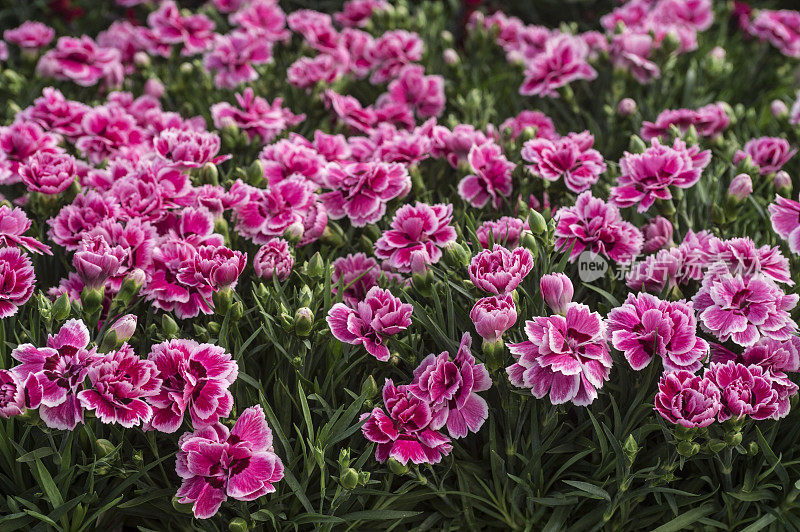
30, 35
492, 316
571, 158
416, 228
84, 213
274, 259
500, 271
491, 180
785, 218
361, 191
557, 291
264, 17
82, 61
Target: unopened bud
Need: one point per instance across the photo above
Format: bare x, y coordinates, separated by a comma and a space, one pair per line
315, 267
349, 478
303, 321
537, 222
61, 308
168, 326
396, 467
626, 107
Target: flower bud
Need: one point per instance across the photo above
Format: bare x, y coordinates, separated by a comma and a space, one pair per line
537, 222
223, 299
92, 299
294, 233
778, 108
733, 438
141, 58
60, 309
154, 88
315, 267
168, 326
450, 56
237, 311
349, 479
630, 448
557, 291
396, 467
181, 507
783, 181
752, 448
741, 186
332, 235
104, 448
124, 327
237, 524
303, 321
369, 387
636, 144
688, 449
209, 175
130, 287
716, 445
255, 172
626, 107
456, 256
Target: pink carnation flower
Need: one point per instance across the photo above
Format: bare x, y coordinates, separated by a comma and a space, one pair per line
255, 116
665, 268
742, 257
570, 157
232, 57
455, 145
657, 234
631, 51
349, 111
565, 355
492, 177
361, 191
263, 17
82, 61
404, 434
49, 172
356, 13
769, 154
557, 291
785, 218
215, 463
745, 391
120, 381
53, 112
563, 60
687, 399
781, 28
373, 320
505, 231
18, 142
195, 32
646, 177
17, 394
450, 388
96, 262
709, 121
188, 149
84, 213
536, 120
30, 35
499, 271
492, 316
106, 130
416, 228
194, 378
61, 369
391, 52
424, 94
17, 280
315, 27
212, 268
274, 259
288, 158
306, 72
597, 226
357, 273
644, 326
13, 224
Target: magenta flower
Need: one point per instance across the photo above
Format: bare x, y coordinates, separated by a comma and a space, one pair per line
60, 368
379, 316
563, 60
535, 120
356, 13
264, 17
646, 177
13, 224
214, 267
194, 378
357, 273
742, 257
666, 268
18, 395
274, 259
557, 291
349, 111
306, 72
416, 228
571, 158
785, 218
107, 129
30, 35
391, 52
53, 112
565, 355
17, 280
287, 158
424, 94
657, 234
215, 463
96, 261
361, 191
745, 391
195, 32
82, 61
492, 177
644, 326
49, 172
743, 309
505, 231
255, 116
456, 145
18, 142
597, 226
450, 388
120, 381
188, 149
780, 27
85, 212
709, 121
631, 51
686, 399
315, 27
492, 316
404, 434
232, 57
124, 327
499, 271
769, 154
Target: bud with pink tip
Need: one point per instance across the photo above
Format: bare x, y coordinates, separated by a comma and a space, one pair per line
124, 327
778, 108
450, 56
557, 291
95, 262
740, 187
154, 88
626, 107
783, 180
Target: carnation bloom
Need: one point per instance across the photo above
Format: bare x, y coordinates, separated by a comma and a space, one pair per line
13, 224
194, 378
188, 149
597, 226
565, 355
358, 12
492, 316
357, 273
665, 268
743, 309
49, 172
785, 218
499, 271
631, 51
646, 177
17, 280
371, 322
30, 35
424, 94
274, 259
215, 463
61, 368
85, 212
455, 145
745, 391
391, 52
741, 256
506, 231
645, 326
255, 116
570, 157
769, 154
18, 394
120, 381
686, 399
106, 130
287, 158
780, 27
563, 60
82, 61
492, 177
96, 261
709, 121
361, 191
416, 228
557, 291
53, 112
657, 234
232, 57
404, 434
450, 388
18, 142
537, 121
